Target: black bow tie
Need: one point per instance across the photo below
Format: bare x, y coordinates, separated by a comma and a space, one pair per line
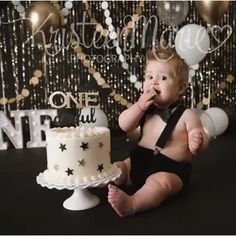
166, 113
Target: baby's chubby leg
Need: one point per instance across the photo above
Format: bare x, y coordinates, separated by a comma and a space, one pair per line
157, 188
125, 168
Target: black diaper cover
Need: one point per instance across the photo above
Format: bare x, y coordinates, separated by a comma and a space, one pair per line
144, 163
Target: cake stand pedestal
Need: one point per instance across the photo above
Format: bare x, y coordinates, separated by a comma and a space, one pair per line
82, 198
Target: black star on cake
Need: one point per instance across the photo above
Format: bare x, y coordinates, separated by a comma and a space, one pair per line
84, 146
62, 147
100, 168
69, 171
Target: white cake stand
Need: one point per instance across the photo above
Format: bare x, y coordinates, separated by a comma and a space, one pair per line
81, 199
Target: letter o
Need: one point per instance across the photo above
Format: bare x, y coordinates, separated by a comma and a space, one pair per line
58, 93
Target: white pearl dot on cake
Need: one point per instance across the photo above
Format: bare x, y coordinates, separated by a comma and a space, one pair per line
100, 176
105, 174
93, 178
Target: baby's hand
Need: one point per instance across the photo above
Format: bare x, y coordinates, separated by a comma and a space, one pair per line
195, 138
146, 99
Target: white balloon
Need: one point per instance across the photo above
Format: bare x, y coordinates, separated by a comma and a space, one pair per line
192, 43
220, 119
207, 122
92, 117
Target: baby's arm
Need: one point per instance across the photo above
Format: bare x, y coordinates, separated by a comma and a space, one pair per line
129, 118
197, 138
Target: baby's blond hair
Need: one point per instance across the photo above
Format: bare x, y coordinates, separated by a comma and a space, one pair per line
166, 53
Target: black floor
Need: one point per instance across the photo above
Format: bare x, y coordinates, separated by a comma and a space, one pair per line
209, 207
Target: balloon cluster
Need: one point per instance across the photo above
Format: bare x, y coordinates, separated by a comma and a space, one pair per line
192, 41
215, 121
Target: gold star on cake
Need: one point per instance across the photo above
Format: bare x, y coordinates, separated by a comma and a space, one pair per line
81, 162
56, 167
100, 144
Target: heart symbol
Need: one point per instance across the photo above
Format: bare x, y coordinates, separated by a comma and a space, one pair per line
220, 35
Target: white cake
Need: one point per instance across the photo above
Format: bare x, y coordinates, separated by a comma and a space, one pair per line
78, 155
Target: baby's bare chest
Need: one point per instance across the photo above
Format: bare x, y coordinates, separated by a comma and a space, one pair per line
154, 126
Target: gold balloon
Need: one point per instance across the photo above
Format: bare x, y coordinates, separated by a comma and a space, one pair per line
41, 17
212, 11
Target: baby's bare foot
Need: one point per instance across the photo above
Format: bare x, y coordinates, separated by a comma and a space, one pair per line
120, 201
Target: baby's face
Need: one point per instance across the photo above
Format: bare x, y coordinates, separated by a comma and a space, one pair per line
160, 77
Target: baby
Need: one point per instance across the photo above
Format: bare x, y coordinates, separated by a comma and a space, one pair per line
171, 134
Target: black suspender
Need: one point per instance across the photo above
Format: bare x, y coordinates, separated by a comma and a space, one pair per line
168, 129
